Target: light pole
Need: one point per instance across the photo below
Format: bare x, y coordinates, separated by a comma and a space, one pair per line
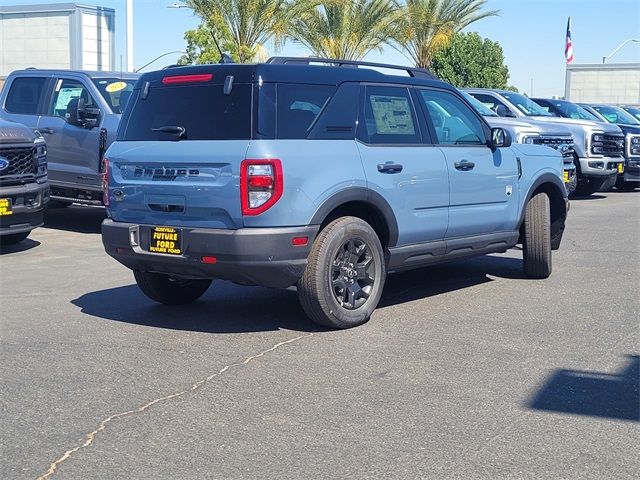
130, 36
636, 40
158, 58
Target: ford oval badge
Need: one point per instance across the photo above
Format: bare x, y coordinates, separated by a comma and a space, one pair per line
4, 163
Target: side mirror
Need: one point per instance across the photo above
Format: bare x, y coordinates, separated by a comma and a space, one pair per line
75, 110
80, 116
499, 138
502, 111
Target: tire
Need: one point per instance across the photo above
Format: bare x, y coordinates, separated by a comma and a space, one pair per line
58, 204
608, 184
345, 274
572, 184
536, 248
13, 238
169, 290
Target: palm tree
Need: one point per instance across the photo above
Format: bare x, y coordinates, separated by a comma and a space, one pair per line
428, 25
346, 29
244, 26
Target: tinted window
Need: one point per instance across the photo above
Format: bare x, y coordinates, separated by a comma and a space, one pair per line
453, 120
203, 111
389, 117
65, 91
25, 95
115, 91
298, 106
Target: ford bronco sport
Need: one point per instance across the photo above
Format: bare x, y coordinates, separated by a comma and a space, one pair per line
326, 177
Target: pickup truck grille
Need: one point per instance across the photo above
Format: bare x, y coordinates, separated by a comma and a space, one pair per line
563, 144
613, 145
22, 165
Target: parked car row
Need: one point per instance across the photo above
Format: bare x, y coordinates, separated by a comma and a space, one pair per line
322, 177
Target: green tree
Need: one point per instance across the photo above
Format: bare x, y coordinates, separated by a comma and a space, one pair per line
241, 27
428, 26
471, 61
346, 29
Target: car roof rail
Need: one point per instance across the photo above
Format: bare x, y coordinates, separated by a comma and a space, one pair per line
412, 71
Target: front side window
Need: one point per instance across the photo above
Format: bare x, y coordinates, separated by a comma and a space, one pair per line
25, 94
389, 117
65, 91
452, 119
489, 101
298, 106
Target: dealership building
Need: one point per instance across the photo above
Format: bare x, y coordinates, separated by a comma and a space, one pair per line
63, 35
612, 83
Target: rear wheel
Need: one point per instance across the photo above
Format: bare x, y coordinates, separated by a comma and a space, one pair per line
345, 274
536, 248
170, 290
13, 238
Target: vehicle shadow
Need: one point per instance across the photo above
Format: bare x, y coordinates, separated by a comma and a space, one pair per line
75, 218
229, 308
595, 394
587, 197
23, 246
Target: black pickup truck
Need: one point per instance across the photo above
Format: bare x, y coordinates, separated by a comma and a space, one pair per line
24, 189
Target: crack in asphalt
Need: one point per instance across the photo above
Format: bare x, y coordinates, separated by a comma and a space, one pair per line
90, 437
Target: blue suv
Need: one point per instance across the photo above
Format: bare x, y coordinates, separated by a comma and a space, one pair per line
324, 174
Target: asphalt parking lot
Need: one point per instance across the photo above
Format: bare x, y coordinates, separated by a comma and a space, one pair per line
466, 370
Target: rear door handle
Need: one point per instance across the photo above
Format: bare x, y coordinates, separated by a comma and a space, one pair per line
389, 167
464, 165
47, 130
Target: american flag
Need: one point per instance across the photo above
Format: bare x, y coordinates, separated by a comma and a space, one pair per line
568, 47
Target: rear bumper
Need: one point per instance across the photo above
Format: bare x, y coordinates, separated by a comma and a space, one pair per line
28, 202
251, 256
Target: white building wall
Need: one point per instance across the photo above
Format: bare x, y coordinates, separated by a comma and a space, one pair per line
96, 42
34, 40
607, 83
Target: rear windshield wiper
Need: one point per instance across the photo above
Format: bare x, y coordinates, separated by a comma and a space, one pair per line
172, 129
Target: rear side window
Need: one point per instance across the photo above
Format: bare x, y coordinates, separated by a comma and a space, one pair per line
203, 111
25, 95
389, 117
298, 106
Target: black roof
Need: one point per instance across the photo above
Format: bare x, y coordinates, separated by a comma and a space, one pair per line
292, 73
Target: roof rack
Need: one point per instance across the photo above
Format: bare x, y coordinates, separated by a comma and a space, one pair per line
412, 71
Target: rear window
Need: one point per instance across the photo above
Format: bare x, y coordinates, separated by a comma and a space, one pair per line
203, 111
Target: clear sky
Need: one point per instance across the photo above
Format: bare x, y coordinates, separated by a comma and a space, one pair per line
531, 33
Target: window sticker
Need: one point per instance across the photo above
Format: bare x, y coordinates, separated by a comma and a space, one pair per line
66, 95
115, 87
392, 115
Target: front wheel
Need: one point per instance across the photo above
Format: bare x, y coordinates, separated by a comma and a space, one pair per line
170, 290
345, 274
536, 247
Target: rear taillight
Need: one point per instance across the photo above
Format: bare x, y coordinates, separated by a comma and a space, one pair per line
105, 181
261, 185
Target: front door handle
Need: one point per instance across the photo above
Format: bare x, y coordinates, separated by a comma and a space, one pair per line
47, 130
464, 165
389, 167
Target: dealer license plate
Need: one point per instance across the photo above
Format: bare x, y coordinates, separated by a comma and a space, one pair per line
5, 207
165, 240
621, 168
